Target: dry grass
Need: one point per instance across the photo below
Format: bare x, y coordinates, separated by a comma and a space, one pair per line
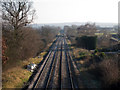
82, 62
17, 76
81, 54
68, 41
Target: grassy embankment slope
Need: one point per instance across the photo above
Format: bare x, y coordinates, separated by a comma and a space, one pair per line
17, 76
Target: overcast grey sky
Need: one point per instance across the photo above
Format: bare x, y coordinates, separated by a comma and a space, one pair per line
59, 11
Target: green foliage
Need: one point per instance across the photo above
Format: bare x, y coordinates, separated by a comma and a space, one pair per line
81, 53
96, 51
102, 53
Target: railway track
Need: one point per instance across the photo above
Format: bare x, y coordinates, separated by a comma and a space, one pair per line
44, 76
57, 71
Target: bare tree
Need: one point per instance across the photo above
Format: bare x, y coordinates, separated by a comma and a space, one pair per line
18, 13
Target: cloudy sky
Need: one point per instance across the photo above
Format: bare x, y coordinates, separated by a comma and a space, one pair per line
60, 11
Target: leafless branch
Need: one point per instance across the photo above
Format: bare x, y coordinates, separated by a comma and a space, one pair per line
17, 13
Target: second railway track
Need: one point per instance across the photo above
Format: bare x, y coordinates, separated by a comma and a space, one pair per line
57, 70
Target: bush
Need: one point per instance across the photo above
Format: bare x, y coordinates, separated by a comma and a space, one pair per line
110, 71
4, 47
87, 42
106, 70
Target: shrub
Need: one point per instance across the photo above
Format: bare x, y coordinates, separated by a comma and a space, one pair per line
87, 42
102, 55
4, 47
106, 71
110, 71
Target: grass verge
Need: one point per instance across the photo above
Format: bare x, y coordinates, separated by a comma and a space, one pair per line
17, 76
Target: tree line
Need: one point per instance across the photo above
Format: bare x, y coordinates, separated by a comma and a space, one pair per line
21, 42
